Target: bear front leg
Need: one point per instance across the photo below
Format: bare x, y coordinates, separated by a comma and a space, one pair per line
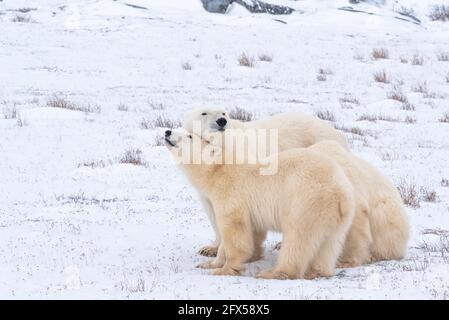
212, 249
237, 240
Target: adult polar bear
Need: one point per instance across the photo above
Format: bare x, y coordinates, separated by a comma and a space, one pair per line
295, 130
310, 200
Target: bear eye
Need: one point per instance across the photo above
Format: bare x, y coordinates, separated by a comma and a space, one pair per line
190, 136
224, 113
204, 114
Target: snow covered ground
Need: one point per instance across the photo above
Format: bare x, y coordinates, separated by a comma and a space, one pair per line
77, 222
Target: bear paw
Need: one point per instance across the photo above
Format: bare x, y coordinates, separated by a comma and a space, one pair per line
348, 264
208, 251
314, 274
206, 265
272, 274
226, 272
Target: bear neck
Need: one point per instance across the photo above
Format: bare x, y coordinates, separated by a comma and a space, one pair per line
209, 178
202, 176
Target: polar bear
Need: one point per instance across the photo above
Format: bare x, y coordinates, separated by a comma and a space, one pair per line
380, 229
310, 200
295, 130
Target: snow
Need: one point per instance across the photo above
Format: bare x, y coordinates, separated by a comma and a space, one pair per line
76, 222
47, 116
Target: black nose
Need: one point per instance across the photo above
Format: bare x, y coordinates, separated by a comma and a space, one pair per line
222, 122
168, 133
